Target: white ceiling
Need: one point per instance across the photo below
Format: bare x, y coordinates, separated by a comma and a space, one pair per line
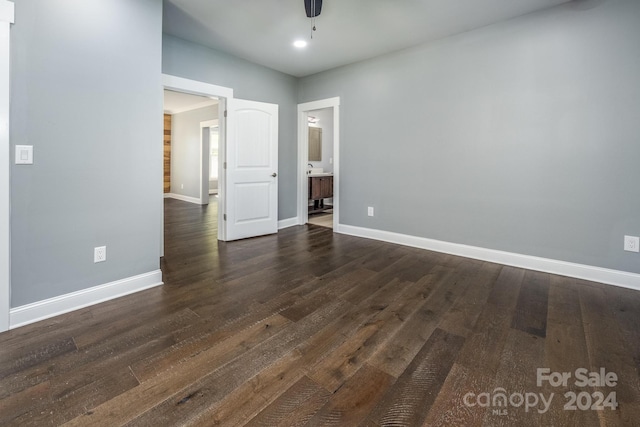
262, 31
178, 102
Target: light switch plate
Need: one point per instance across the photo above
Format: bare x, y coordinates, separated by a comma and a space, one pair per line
24, 154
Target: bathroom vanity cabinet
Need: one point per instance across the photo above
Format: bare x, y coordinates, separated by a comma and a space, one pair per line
320, 188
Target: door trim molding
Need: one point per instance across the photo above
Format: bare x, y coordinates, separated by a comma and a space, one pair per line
194, 87
7, 17
303, 155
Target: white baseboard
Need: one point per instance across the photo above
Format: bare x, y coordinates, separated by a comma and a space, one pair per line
34, 312
289, 222
183, 198
580, 271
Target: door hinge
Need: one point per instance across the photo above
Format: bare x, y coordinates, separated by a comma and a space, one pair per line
224, 165
225, 113
224, 217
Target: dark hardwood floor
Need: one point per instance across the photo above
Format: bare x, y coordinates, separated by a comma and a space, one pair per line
308, 327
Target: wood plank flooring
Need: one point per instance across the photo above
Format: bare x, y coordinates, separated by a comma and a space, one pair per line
312, 328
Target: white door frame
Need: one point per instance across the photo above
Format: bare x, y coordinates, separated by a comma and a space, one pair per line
204, 161
195, 87
7, 16
303, 156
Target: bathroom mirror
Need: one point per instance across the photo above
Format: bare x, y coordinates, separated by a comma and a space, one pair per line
315, 144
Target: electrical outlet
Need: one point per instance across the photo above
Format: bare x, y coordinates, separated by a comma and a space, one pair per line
631, 244
370, 211
99, 254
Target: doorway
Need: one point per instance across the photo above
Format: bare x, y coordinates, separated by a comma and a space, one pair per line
322, 168
187, 140
208, 160
247, 161
221, 94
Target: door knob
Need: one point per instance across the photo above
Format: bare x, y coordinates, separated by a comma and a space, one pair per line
274, 174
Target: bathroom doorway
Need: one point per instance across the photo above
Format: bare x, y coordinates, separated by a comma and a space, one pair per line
320, 167
318, 163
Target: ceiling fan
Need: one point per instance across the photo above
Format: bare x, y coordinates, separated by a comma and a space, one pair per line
313, 9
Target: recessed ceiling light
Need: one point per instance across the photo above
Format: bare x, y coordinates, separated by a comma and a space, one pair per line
300, 44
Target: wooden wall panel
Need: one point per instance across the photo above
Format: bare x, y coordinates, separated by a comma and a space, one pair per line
167, 153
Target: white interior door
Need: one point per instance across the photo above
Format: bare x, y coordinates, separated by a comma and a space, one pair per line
252, 169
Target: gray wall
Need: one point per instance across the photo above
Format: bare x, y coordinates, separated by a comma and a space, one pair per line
523, 136
85, 92
185, 149
249, 81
